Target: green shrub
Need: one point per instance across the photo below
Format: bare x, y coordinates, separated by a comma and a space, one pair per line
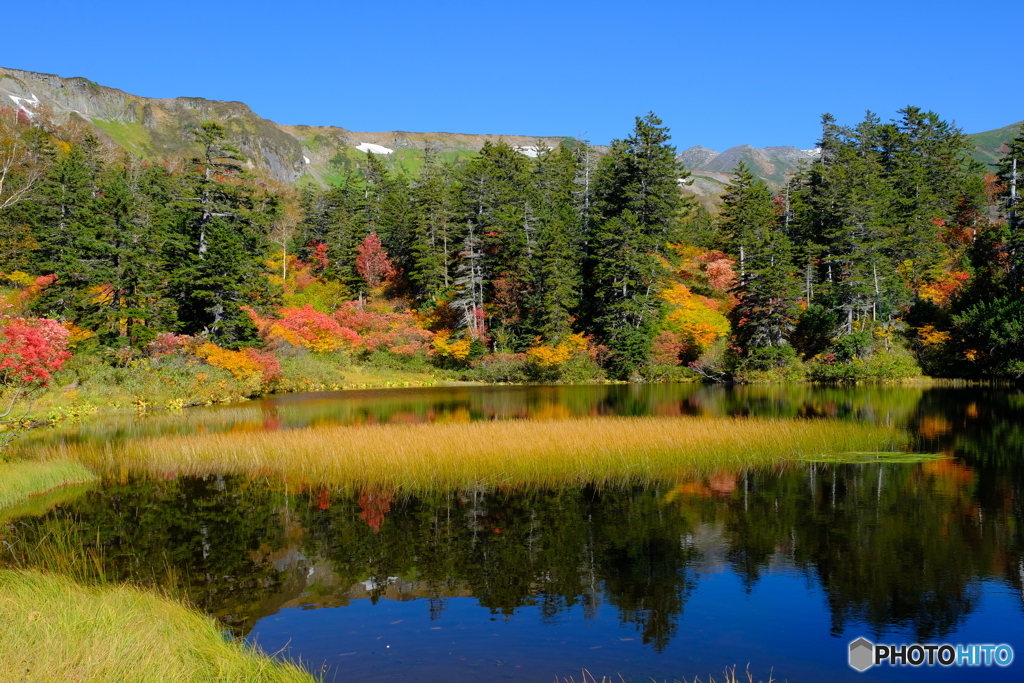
879, 365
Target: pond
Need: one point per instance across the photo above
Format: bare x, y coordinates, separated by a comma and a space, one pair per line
780, 568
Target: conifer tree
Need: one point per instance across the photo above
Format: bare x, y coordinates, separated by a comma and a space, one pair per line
220, 245
501, 214
136, 198
434, 239
71, 229
765, 290
1011, 239
638, 208
557, 277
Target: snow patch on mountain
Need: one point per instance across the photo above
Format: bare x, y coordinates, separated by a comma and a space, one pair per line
375, 149
20, 103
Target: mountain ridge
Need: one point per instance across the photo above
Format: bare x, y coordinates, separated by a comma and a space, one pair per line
159, 128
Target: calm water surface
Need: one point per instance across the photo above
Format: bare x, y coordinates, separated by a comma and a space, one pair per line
778, 568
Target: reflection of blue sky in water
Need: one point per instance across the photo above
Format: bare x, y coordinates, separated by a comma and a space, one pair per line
782, 625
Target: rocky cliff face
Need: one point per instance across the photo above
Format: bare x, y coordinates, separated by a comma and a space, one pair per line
153, 128
160, 128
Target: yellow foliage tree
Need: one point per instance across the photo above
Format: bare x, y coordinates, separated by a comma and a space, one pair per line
444, 346
549, 355
694, 318
238, 363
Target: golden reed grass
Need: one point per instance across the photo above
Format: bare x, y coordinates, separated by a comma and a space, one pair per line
601, 450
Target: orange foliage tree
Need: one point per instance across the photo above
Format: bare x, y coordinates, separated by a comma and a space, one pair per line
304, 327
381, 327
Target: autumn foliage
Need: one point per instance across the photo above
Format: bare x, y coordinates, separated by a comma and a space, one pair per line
31, 350
380, 326
549, 355
304, 327
373, 263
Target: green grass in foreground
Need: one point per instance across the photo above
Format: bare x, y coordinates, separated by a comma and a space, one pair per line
605, 450
55, 629
23, 479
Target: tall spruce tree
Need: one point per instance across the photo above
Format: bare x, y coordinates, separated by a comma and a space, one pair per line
500, 214
764, 315
136, 198
638, 209
71, 228
557, 277
435, 230
220, 243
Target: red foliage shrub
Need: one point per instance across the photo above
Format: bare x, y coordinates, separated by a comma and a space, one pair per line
720, 274
318, 258
30, 350
668, 348
269, 365
166, 343
379, 327
305, 327
31, 292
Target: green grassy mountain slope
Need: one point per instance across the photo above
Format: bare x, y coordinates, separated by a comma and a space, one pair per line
990, 145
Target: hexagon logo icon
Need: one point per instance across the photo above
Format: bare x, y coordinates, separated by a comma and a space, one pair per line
862, 654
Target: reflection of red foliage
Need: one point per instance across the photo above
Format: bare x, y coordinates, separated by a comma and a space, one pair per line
375, 505
723, 483
323, 499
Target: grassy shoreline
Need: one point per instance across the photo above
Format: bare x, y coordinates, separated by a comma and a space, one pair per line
22, 480
56, 629
603, 450
142, 390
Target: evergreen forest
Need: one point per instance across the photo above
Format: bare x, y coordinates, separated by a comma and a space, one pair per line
890, 255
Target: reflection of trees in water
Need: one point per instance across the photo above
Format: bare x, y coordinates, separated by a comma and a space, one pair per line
554, 550
204, 537
895, 547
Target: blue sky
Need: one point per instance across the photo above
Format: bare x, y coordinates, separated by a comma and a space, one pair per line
719, 74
